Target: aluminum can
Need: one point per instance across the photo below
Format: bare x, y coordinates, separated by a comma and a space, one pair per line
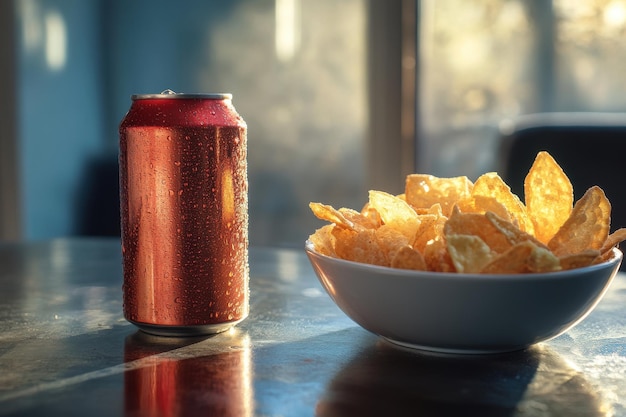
184, 213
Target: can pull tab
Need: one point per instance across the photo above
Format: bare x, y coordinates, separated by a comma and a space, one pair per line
168, 91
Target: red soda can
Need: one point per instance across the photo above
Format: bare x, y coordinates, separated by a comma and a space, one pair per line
184, 213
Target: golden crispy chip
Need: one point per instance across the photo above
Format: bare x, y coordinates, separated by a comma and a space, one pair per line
579, 260
437, 256
468, 253
481, 204
390, 240
330, 214
431, 227
422, 191
358, 219
490, 185
408, 258
510, 231
512, 261
549, 196
372, 214
435, 209
358, 246
541, 259
477, 225
523, 257
605, 256
613, 240
395, 212
324, 241
587, 227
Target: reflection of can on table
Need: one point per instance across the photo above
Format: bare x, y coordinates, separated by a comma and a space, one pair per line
184, 212
171, 376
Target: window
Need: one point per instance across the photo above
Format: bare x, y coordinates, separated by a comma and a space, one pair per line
334, 93
483, 61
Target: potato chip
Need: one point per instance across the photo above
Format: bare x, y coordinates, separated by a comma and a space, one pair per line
477, 225
437, 256
604, 257
330, 214
579, 260
587, 227
491, 185
323, 240
510, 231
408, 258
372, 214
358, 246
481, 204
390, 241
434, 209
549, 196
542, 260
395, 212
513, 261
358, 219
521, 258
422, 191
469, 253
613, 240
430, 227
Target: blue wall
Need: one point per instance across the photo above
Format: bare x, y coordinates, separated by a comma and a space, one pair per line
60, 110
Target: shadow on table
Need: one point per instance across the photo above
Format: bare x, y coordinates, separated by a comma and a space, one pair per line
387, 380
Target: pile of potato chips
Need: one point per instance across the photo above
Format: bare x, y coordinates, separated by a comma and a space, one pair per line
454, 225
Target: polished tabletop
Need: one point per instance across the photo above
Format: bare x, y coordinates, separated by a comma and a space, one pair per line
65, 349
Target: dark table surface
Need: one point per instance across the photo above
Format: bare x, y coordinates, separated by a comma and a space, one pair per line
65, 349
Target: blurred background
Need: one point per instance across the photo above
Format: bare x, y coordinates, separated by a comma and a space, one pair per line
339, 96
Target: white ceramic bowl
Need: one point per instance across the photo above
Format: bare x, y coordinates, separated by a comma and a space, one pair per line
462, 313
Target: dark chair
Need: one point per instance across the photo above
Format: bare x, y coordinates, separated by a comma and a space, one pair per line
590, 147
98, 198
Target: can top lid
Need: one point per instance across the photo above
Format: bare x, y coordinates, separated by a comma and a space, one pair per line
169, 94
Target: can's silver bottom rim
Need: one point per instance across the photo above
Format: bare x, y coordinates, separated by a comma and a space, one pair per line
185, 331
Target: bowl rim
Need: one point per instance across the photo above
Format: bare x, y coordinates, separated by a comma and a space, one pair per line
617, 257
